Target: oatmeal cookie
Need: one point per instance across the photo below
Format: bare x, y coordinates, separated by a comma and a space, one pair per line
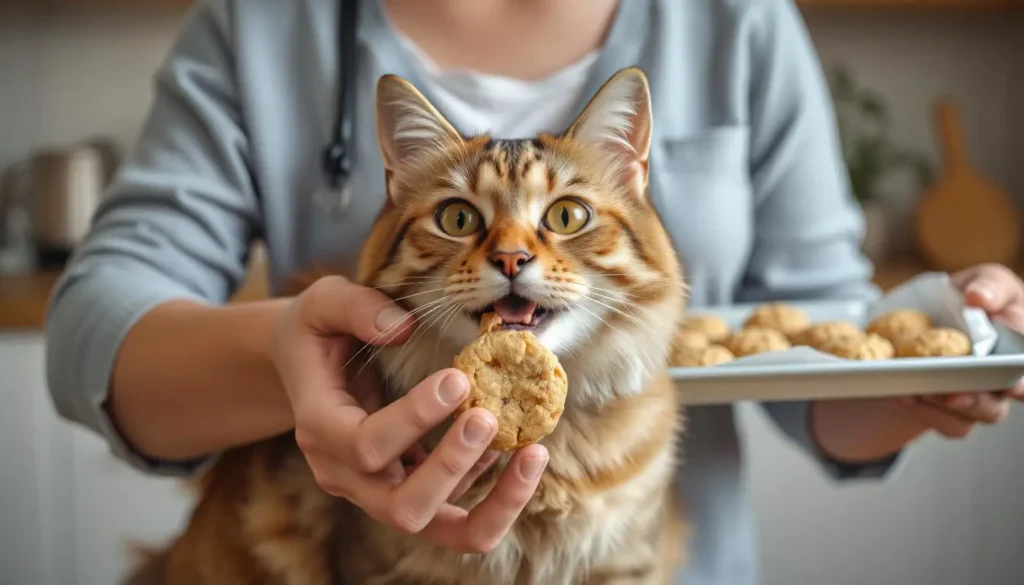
711, 355
936, 342
756, 339
710, 326
819, 334
900, 325
686, 340
860, 347
781, 317
519, 380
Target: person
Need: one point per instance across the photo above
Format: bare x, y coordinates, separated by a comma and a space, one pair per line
746, 173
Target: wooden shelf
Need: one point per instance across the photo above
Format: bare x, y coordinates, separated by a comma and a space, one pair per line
914, 4
810, 4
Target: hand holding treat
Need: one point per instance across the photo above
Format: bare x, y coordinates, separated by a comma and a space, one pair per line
517, 379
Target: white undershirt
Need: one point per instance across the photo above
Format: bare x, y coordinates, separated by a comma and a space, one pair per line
505, 107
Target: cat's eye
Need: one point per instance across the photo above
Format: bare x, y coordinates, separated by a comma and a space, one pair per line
458, 219
566, 217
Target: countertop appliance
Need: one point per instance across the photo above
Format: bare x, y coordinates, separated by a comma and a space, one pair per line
58, 190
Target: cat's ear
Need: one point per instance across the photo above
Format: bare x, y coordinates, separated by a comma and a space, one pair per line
617, 120
407, 122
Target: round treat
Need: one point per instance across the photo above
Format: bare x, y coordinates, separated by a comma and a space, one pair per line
712, 327
900, 325
711, 355
937, 342
781, 317
519, 380
756, 339
819, 334
687, 340
860, 347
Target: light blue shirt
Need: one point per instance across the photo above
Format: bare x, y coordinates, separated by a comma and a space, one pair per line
745, 170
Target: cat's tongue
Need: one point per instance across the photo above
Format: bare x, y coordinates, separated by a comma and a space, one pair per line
514, 309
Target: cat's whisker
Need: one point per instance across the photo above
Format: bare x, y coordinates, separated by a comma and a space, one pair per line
614, 291
643, 325
647, 278
419, 294
389, 331
424, 328
409, 283
440, 308
601, 319
444, 327
616, 299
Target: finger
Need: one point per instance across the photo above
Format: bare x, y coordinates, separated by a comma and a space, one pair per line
485, 526
990, 287
311, 374
483, 464
389, 432
983, 407
1012, 316
417, 500
1015, 392
938, 419
335, 306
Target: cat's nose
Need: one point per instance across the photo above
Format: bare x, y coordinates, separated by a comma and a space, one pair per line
510, 263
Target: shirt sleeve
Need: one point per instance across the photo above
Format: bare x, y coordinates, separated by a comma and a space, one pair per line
808, 227
176, 224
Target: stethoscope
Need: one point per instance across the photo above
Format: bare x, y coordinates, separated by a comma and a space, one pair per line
336, 158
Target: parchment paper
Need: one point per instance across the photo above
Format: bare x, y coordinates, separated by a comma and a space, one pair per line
930, 292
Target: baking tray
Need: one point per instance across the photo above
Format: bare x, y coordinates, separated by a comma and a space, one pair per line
803, 373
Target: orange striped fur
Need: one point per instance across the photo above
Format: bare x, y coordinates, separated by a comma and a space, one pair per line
603, 513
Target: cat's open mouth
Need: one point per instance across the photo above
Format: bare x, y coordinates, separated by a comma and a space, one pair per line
519, 313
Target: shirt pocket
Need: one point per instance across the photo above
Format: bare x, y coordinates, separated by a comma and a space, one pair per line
700, 186
719, 153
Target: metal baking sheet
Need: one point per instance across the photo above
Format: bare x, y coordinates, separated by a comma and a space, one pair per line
840, 378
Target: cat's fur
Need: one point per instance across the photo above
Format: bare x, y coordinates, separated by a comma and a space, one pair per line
603, 512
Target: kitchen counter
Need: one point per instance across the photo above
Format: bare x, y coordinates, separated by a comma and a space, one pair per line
23, 299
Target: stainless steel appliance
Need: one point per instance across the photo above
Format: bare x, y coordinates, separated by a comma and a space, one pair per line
61, 189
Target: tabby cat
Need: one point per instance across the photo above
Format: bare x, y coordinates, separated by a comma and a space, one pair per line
598, 283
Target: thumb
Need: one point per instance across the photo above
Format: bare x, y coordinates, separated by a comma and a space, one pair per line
335, 306
990, 288
983, 294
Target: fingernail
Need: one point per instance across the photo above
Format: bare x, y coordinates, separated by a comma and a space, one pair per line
984, 291
532, 468
961, 402
390, 317
452, 389
476, 431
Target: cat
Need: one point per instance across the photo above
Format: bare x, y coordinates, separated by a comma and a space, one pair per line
600, 285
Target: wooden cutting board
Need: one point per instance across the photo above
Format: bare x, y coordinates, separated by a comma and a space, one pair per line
964, 219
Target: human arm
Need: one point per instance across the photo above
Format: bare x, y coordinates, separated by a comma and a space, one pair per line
142, 350
808, 231
170, 241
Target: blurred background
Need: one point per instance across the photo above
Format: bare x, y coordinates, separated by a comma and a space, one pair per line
75, 86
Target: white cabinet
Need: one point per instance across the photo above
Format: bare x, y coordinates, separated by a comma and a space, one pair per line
69, 511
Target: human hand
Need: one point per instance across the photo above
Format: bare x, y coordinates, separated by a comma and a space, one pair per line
1000, 293
354, 447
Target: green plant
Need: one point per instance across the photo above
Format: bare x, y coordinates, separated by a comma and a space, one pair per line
864, 130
